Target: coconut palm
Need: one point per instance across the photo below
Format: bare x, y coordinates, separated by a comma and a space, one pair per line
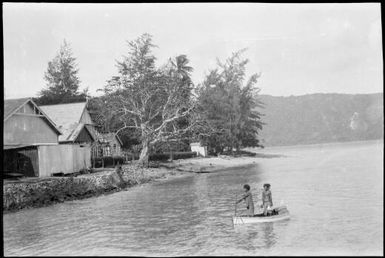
180, 66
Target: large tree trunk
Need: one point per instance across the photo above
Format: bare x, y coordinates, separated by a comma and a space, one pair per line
144, 153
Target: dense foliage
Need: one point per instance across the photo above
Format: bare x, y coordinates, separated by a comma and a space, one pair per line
108, 161
229, 107
62, 80
157, 109
106, 122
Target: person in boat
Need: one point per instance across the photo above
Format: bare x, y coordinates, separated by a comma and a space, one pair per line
248, 200
267, 200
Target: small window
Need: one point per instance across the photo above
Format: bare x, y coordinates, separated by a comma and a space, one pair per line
107, 151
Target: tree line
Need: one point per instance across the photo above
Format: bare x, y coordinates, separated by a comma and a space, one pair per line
155, 108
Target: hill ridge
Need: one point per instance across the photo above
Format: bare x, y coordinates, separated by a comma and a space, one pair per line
321, 118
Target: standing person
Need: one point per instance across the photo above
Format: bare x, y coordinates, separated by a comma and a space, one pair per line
119, 172
266, 198
248, 200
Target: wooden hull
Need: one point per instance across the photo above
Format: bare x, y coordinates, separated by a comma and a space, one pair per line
261, 219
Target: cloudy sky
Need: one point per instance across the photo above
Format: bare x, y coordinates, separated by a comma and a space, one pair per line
298, 48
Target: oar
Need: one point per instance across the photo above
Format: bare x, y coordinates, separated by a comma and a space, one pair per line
235, 208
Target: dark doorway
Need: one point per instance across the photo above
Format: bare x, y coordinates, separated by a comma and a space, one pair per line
23, 161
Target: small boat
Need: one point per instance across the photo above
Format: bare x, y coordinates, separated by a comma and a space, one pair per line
278, 214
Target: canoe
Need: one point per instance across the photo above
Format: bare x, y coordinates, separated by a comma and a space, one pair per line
282, 214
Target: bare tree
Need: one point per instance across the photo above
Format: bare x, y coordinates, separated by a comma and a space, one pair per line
149, 99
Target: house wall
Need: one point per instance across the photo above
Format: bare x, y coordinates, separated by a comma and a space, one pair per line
86, 117
84, 136
27, 129
113, 148
26, 109
65, 158
200, 150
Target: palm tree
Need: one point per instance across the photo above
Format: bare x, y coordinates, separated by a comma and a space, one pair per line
181, 67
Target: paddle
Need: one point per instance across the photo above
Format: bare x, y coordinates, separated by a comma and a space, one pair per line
235, 208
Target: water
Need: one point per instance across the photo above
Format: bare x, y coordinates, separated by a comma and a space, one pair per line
333, 191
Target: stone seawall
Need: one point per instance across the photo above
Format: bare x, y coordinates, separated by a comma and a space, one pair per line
36, 192
46, 191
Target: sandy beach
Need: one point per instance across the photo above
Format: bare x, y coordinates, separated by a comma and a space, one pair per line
219, 163
213, 164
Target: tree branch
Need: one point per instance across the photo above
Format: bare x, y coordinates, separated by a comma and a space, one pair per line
126, 127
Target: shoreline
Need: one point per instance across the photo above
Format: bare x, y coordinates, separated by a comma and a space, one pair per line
42, 192
36, 193
321, 144
214, 164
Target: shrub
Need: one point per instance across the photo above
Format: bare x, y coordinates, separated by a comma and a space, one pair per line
109, 161
118, 159
176, 155
159, 156
240, 153
129, 156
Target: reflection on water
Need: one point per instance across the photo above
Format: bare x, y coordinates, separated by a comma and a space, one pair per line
256, 236
325, 187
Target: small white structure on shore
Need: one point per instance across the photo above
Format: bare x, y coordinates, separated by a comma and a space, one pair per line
199, 149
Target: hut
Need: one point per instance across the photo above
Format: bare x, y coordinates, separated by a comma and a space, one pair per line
108, 144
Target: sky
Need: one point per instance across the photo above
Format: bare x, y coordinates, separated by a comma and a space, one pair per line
298, 48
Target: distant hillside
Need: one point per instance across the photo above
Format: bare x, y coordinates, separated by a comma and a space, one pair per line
321, 118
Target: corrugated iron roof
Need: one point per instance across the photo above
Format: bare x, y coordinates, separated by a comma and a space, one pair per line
70, 132
105, 137
67, 117
17, 146
108, 137
65, 114
92, 130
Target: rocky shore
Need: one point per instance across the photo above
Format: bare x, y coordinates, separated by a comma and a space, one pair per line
37, 192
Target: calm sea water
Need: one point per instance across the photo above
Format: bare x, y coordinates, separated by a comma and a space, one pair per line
334, 193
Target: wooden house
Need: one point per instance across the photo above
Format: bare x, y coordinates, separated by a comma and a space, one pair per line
31, 142
74, 120
26, 124
107, 144
26, 128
